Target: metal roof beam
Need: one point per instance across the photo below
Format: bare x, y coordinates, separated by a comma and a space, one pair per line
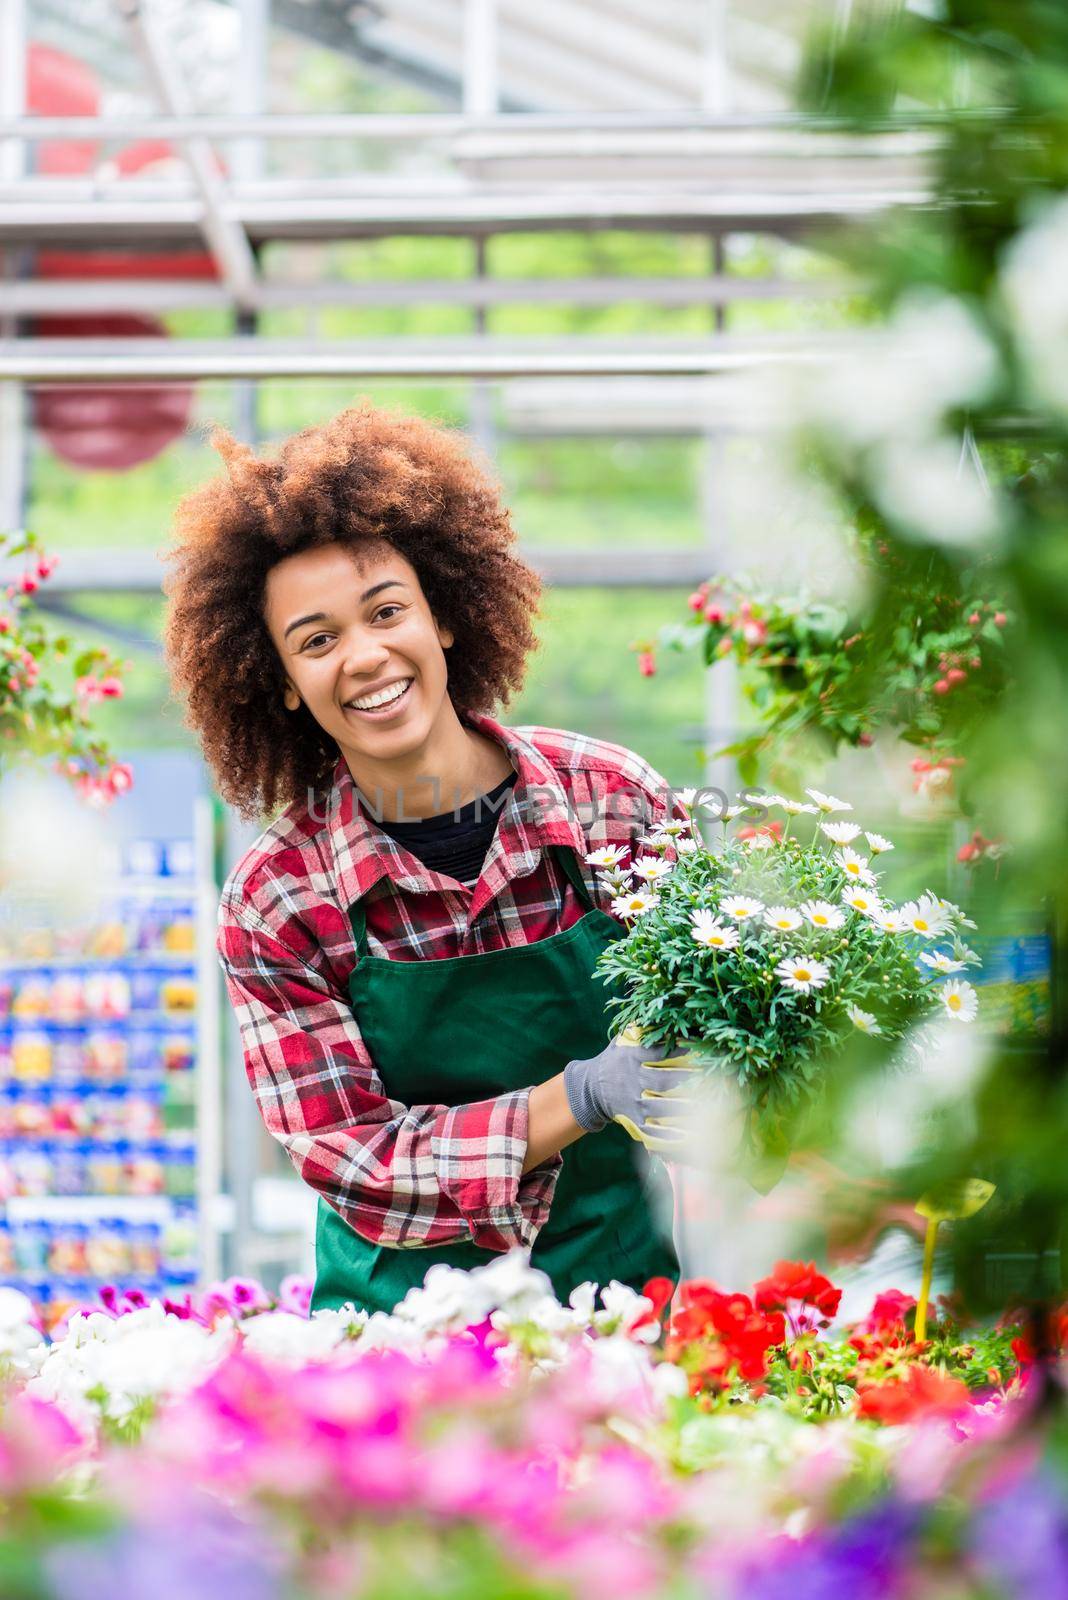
63, 361
225, 238
42, 297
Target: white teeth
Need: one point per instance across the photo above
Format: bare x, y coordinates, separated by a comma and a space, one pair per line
383, 698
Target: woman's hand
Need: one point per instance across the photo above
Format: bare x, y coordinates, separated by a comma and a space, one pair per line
636, 1085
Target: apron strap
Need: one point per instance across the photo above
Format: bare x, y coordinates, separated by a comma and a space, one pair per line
566, 857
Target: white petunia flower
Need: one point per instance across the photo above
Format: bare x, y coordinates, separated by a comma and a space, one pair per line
925, 916
827, 802
651, 868
800, 974
634, 904
862, 900
862, 1020
282, 1336
608, 857
840, 832
960, 1000
796, 808
741, 906
855, 867
782, 919
708, 930
940, 962
822, 914
877, 844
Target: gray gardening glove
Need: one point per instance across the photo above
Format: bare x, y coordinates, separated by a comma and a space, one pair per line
636, 1085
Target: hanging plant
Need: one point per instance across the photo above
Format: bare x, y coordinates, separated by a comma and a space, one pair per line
41, 718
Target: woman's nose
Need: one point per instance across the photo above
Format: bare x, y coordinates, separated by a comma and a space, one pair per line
363, 653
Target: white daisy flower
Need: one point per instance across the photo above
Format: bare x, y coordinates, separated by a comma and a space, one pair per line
760, 841
890, 919
670, 828
840, 832
925, 916
633, 904
741, 906
855, 867
827, 802
731, 812
800, 974
618, 882
862, 900
782, 919
651, 868
877, 844
708, 930
608, 857
862, 1020
938, 961
796, 808
686, 797
822, 914
960, 1000
685, 847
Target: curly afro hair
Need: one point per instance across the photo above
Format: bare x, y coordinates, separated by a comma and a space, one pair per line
368, 475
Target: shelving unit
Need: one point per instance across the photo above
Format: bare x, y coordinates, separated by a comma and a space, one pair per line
103, 1032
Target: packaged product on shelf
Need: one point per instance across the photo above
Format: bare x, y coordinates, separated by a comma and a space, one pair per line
180, 1240
143, 1112
32, 1167
31, 1246
32, 1113
66, 1001
70, 1166
179, 935
107, 939
177, 1052
31, 1057
106, 1169
180, 1158
107, 994
107, 1250
67, 1249
33, 997
68, 1056
145, 1169
146, 1249
177, 995
105, 1056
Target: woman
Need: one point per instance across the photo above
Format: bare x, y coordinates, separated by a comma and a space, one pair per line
409, 946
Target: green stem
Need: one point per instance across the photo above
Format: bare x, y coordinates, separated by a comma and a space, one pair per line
925, 1281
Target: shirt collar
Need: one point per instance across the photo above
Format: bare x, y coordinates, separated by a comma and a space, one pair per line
536, 814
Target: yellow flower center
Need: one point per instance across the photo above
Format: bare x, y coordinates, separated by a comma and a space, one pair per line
953, 1002
920, 925
820, 920
802, 974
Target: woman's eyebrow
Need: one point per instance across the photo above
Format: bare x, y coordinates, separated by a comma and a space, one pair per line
320, 616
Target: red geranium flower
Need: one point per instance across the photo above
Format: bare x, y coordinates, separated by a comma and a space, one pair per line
922, 1392
797, 1282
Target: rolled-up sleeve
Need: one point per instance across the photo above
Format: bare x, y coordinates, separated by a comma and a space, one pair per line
401, 1176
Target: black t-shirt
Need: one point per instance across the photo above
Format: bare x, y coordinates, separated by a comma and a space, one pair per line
455, 842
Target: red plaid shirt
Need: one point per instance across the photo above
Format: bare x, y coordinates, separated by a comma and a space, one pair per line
429, 1174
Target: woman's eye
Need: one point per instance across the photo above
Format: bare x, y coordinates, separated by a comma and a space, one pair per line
380, 614
315, 639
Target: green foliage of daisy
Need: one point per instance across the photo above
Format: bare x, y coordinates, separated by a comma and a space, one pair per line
765, 955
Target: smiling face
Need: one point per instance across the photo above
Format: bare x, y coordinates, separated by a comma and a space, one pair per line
353, 626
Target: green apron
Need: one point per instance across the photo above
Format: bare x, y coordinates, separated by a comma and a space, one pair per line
465, 1028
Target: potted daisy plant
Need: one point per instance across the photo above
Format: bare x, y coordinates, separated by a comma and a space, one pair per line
763, 954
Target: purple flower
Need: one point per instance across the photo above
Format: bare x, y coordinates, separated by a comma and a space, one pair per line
295, 1294
213, 1553
1019, 1539
865, 1558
